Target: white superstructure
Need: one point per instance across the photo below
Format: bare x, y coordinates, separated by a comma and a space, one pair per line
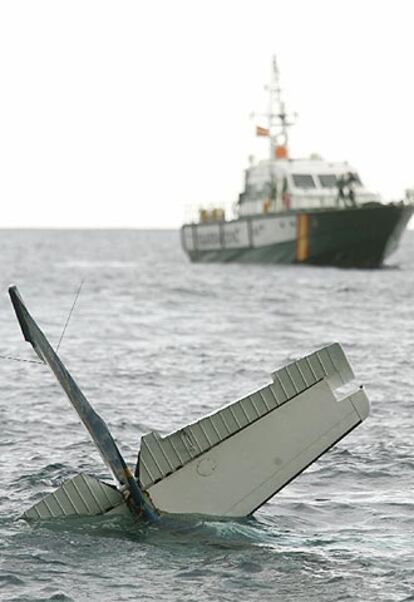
279, 185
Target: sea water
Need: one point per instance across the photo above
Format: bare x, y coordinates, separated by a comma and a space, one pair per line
156, 342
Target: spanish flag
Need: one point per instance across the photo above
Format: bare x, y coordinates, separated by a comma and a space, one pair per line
261, 131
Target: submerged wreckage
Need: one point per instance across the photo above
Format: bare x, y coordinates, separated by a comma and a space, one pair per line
227, 464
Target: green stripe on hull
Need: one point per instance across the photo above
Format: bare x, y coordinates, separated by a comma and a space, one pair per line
279, 253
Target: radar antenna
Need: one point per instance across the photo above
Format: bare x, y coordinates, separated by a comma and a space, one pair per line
278, 119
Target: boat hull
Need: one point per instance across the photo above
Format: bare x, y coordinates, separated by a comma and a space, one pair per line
346, 237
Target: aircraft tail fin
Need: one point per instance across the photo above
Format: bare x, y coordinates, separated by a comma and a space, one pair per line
96, 426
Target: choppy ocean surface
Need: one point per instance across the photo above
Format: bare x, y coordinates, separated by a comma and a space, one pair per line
156, 342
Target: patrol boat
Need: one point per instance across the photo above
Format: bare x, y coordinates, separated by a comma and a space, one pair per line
308, 211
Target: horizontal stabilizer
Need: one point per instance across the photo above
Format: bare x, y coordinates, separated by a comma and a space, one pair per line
159, 457
81, 496
230, 463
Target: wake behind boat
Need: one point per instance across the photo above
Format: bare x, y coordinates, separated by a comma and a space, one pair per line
299, 211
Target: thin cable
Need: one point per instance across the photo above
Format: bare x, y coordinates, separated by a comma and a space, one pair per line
19, 359
70, 314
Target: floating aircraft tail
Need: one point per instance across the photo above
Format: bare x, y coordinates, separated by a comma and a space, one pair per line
226, 464
97, 428
233, 461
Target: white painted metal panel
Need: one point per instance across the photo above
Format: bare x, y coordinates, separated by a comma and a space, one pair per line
81, 496
272, 230
239, 474
160, 456
208, 237
328, 362
188, 238
236, 234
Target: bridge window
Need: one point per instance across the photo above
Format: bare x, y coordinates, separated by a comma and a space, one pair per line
303, 181
327, 180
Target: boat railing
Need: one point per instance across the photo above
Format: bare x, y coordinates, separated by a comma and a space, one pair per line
208, 213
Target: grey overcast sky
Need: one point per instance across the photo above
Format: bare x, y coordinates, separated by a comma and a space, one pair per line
126, 113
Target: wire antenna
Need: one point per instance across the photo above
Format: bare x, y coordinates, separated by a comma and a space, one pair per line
20, 359
70, 314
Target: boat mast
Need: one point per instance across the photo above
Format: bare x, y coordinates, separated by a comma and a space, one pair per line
278, 122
